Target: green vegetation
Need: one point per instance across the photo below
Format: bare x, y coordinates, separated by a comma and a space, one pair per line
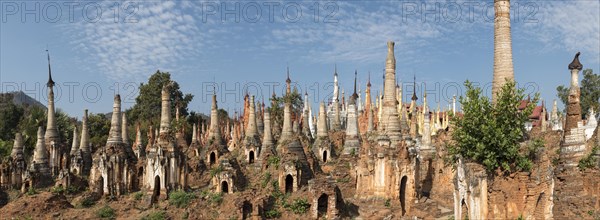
265, 180
272, 213
180, 198
26, 119
31, 191
534, 149
106, 212
215, 198
590, 92
273, 160
138, 195
490, 133
588, 161
156, 215
58, 190
343, 180
99, 126
147, 107
277, 106
212, 198
216, 170
87, 202
298, 206
387, 203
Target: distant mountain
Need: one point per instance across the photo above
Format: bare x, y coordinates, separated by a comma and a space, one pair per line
20, 98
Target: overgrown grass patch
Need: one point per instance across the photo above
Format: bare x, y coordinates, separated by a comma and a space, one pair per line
181, 199
106, 212
156, 215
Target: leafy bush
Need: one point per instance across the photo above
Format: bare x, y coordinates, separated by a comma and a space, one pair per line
272, 213
138, 195
106, 212
216, 170
273, 160
157, 215
387, 203
276, 192
58, 190
204, 193
489, 133
298, 206
87, 202
343, 180
215, 198
266, 179
181, 198
31, 191
588, 161
534, 148
72, 190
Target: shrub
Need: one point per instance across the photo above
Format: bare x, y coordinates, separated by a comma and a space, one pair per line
273, 213
588, 161
489, 133
387, 203
87, 202
266, 179
216, 170
58, 190
273, 160
157, 215
106, 212
181, 198
298, 206
204, 193
215, 198
72, 190
31, 191
277, 194
534, 148
343, 180
138, 195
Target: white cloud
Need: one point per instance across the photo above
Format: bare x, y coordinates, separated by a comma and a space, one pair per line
162, 37
169, 34
568, 26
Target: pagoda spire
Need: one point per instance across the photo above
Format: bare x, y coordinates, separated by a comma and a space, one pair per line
50, 82
391, 122
354, 95
414, 96
288, 82
214, 131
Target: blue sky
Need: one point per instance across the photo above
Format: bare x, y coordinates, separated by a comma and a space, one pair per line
200, 42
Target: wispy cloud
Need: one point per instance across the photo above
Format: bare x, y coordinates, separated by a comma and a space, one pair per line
173, 35
160, 37
568, 26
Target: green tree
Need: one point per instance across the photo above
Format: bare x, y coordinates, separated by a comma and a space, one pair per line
65, 126
10, 114
33, 118
277, 106
98, 127
147, 107
590, 92
5, 149
488, 133
223, 117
